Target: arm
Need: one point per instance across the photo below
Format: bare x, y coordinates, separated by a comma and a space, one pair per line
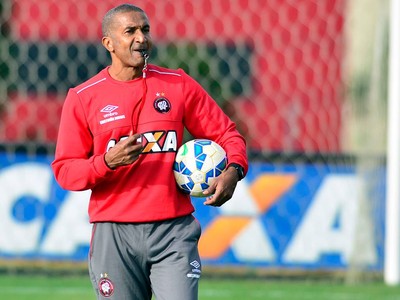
205, 119
75, 166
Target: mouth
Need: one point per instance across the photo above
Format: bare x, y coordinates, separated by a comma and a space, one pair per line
142, 52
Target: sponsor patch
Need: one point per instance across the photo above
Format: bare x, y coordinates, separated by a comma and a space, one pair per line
110, 114
196, 271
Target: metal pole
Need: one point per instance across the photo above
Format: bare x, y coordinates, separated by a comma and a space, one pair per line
392, 239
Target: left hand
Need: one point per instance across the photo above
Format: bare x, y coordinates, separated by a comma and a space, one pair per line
221, 190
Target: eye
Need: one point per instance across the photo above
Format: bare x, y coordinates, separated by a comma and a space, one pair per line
146, 29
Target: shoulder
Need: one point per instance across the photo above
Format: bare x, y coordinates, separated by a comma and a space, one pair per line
164, 72
171, 75
91, 82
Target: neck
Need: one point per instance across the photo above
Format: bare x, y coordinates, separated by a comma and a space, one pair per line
125, 74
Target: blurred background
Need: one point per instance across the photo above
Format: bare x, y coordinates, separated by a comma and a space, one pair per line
304, 80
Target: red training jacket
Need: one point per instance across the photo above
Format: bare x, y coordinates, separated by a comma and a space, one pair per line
102, 111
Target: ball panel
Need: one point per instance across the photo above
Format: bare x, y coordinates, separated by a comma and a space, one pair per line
221, 165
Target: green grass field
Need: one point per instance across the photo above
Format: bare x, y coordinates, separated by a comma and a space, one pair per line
79, 288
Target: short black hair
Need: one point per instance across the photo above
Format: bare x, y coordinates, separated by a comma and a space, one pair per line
109, 16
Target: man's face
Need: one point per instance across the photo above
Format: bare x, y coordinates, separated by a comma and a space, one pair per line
129, 34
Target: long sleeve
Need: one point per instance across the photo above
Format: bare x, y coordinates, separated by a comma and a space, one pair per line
205, 119
75, 167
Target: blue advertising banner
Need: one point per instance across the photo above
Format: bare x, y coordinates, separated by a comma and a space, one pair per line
310, 216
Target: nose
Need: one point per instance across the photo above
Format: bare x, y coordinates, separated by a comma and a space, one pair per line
140, 36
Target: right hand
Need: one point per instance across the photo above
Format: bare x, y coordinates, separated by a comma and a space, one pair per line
125, 152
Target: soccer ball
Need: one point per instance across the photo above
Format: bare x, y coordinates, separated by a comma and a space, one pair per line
197, 163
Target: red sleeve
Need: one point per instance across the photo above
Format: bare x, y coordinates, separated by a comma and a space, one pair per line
75, 167
205, 119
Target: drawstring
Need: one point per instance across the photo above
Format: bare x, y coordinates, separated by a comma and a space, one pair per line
143, 99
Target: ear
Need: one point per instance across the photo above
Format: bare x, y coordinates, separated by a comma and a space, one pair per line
107, 43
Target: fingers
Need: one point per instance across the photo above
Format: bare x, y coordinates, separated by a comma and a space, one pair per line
215, 201
135, 138
212, 195
134, 146
218, 199
125, 152
221, 190
210, 201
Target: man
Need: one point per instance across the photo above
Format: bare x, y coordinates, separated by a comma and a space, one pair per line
118, 136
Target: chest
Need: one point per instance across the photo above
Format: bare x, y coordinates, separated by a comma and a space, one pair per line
113, 114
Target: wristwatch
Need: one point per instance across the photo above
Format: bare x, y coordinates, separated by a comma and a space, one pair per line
239, 169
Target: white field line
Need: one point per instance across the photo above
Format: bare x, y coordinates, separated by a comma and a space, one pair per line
39, 290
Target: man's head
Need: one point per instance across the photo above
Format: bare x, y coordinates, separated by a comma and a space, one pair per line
126, 34
110, 15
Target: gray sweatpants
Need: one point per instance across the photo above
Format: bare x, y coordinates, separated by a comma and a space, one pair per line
130, 261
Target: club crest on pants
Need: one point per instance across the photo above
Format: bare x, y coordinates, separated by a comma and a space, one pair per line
106, 287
